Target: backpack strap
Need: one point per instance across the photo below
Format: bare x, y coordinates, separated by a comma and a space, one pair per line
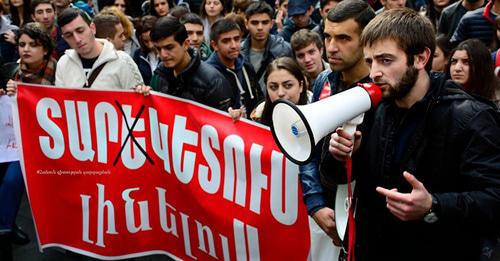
93, 75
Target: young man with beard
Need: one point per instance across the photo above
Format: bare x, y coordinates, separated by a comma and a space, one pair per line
343, 27
225, 40
428, 166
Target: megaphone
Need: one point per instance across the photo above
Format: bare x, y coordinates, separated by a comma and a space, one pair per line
297, 129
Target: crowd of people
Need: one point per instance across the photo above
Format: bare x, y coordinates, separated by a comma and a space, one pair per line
426, 161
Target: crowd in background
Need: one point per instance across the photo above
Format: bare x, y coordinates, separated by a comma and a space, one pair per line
237, 56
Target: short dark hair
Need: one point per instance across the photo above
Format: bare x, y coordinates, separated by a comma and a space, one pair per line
358, 10
191, 18
303, 38
167, 26
323, 3
223, 26
105, 25
69, 14
240, 6
35, 3
260, 7
178, 11
37, 32
240, 20
412, 32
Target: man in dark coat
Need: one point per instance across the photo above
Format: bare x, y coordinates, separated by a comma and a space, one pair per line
428, 165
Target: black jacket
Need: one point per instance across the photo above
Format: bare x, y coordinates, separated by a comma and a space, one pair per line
451, 143
243, 76
198, 82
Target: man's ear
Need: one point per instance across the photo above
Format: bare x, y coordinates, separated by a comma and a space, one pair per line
422, 59
186, 44
213, 44
92, 28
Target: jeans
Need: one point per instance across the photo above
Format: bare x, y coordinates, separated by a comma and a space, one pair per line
11, 191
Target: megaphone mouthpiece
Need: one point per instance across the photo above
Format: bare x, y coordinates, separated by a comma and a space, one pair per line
297, 129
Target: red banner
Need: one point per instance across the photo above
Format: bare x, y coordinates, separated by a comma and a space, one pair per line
116, 174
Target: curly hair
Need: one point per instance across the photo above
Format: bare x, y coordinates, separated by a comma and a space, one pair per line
37, 32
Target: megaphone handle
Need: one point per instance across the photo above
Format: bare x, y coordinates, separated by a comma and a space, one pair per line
351, 125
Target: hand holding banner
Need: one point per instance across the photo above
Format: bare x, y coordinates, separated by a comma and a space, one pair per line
115, 174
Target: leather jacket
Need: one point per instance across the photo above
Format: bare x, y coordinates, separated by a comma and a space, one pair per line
451, 143
198, 82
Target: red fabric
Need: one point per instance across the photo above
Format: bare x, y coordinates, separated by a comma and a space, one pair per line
486, 12
228, 178
351, 225
326, 91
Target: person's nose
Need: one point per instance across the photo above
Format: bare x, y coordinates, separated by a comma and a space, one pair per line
77, 37
332, 46
375, 72
281, 92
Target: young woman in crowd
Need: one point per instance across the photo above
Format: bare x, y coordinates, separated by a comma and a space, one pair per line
441, 54
470, 66
434, 9
36, 66
146, 57
284, 80
121, 5
160, 8
281, 15
19, 15
20, 12
211, 11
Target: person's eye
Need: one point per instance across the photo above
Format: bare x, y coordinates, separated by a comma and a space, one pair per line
386, 61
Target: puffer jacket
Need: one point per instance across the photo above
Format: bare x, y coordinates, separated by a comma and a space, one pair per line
451, 143
199, 82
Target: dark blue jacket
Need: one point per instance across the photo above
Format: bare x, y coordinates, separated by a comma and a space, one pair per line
289, 28
141, 59
474, 25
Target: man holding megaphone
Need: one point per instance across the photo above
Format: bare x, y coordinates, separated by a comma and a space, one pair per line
343, 27
428, 166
